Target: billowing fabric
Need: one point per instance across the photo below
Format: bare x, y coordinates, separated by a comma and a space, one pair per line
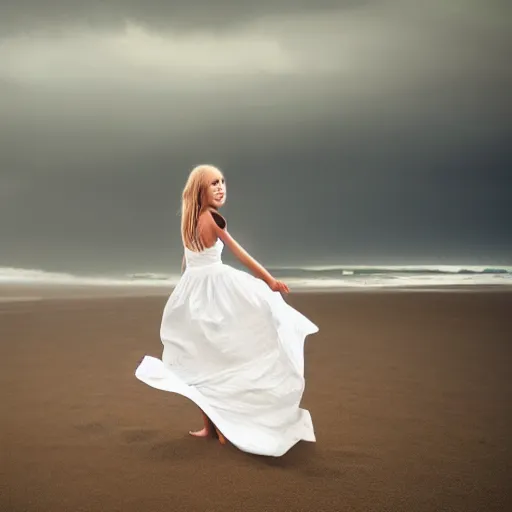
236, 349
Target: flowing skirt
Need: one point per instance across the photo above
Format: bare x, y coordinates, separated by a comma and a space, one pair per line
236, 349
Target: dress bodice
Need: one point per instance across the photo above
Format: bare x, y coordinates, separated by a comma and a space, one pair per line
208, 256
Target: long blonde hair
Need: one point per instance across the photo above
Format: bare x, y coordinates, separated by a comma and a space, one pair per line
193, 203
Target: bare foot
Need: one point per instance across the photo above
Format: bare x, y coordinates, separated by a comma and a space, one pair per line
200, 433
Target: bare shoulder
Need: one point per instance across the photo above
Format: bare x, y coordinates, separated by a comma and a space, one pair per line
204, 223
211, 225
211, 218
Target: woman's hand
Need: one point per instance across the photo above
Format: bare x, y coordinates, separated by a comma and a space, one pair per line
278, 286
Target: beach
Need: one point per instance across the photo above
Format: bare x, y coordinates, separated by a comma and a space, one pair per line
410, 394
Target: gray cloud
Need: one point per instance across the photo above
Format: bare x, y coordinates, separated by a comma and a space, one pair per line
179, 15
389, 120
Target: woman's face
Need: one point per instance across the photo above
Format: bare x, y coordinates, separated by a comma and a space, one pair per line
215, 189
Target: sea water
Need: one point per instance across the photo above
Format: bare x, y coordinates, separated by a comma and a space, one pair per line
323, 277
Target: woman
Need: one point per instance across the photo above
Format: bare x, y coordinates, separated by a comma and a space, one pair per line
231, 343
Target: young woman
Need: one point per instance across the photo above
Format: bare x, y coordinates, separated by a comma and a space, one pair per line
231, 344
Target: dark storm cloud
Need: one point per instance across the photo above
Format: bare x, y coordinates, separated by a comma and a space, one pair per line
366, 133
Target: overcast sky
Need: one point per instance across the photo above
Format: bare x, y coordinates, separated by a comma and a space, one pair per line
349, 131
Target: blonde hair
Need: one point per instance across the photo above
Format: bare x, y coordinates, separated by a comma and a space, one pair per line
193, 203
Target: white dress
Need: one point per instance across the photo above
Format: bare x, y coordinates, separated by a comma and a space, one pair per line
236, 349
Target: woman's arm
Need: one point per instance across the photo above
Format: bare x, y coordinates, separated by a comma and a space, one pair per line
246, 259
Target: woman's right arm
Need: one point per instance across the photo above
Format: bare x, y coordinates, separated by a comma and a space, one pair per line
246, 259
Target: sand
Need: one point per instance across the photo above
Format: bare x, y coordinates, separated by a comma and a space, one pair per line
410, 395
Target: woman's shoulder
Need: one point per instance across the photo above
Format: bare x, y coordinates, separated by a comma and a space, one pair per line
217, 217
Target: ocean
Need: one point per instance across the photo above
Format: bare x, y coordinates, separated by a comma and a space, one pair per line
309, 277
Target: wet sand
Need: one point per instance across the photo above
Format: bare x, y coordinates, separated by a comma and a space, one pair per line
410, 394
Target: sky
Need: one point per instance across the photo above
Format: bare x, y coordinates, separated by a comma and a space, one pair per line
349, 132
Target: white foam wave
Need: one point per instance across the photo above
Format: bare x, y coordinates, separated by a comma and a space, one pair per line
348, 279
448, 269
11, 275
390, 281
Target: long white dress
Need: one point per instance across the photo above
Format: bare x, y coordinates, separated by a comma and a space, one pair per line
236, 349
